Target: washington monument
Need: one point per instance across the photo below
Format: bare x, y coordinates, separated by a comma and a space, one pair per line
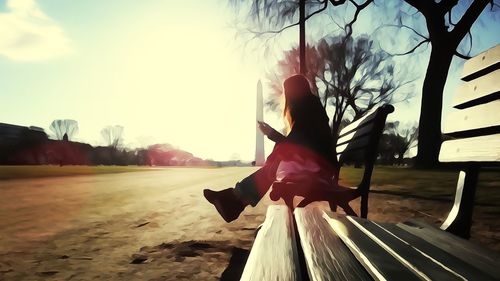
259, 141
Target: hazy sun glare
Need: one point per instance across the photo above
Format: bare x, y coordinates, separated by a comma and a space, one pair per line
187, 86
166, 73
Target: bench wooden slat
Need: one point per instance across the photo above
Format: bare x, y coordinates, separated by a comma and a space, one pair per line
358, 141
480, 90
363, 121
354, 144
356, 134
377, 261
484, 116
326, 256
274, 252
481, 258
481, 64
422, 265
453, 263
475, 149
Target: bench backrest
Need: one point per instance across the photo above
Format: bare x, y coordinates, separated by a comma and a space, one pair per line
474, 128
475, 124
358, 141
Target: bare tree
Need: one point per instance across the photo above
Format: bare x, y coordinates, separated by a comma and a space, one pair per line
349, 75
274, 17
62, 127
401, 138
112, 135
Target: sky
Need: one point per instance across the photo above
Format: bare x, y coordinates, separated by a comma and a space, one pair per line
167, 71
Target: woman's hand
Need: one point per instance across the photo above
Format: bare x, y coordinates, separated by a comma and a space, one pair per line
271, 133
265, 128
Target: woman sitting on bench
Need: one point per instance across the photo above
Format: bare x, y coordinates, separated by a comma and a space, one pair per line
305, 151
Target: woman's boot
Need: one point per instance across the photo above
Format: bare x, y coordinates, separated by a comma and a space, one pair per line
226, 202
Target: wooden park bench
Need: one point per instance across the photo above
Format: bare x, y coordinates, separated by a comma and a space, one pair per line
357, 143
310, 244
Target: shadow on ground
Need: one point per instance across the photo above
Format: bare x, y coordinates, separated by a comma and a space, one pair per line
179, 251
236, 265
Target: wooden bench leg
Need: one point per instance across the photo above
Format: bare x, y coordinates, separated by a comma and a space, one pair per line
364, 205
459, 219
348, 210
333, 206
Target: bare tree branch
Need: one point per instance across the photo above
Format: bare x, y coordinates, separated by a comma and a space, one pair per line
470, 16
359, 8
337, 3
413, 49
470, 40
317, 11
272, 31
402, 26
447, 5
293, 24
335, 22
462, 56
424, 6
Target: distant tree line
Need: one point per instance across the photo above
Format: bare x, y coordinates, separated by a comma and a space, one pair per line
31, 146
396, 143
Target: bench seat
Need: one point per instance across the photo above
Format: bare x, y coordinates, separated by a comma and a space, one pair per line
274, 254
331, 246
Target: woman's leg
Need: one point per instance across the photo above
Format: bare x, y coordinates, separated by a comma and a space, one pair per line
231, 202
252, 188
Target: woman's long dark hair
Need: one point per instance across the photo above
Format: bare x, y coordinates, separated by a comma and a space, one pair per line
295, 88
307, 117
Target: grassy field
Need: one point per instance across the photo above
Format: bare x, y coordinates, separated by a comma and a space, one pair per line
437, 185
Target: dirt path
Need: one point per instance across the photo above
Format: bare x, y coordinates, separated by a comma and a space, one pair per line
149, 226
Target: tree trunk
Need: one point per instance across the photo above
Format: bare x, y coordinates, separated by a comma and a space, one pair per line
302, 36
335, 138
429, 139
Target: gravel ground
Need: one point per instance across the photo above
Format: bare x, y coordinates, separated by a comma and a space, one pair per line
154, 225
